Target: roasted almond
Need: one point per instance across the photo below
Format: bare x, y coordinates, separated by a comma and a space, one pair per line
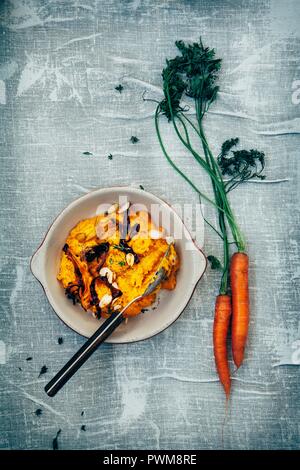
106, 272
106, 300
130, 259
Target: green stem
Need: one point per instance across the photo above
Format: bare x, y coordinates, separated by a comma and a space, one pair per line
237, 235
210, 165
208, 223
225, 275
175, 166
215, 180
214, 167
211, 161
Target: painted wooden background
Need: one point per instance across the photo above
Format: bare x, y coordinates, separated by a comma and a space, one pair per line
60, 64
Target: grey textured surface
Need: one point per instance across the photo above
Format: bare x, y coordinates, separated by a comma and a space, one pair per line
60, 62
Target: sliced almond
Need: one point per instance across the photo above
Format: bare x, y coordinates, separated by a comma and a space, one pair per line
103, 271
108, 273
115, 285
106, 300
169, 240
117, 307
130, 259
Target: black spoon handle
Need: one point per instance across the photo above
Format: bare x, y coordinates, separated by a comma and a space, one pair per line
83, 354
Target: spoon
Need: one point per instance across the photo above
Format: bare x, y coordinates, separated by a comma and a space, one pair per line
105, 330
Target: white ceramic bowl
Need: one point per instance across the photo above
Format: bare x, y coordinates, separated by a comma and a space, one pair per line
45, 264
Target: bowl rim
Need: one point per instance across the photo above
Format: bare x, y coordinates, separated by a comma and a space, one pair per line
73, 203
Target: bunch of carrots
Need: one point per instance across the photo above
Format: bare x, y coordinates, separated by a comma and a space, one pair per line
193, 74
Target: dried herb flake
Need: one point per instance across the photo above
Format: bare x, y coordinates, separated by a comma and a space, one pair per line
55, 440
119, 88
214, 262
43, 370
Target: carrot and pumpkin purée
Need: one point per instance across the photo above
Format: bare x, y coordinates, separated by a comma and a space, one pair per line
109, 259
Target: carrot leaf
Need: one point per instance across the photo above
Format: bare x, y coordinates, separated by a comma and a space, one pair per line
214, 262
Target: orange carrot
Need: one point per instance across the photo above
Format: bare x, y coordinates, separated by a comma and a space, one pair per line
220, 331
240, 305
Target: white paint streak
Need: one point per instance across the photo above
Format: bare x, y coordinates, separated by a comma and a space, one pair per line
133, 401
126, 60
82, 38
82, 188
2, 352
182, 379
291, 126
28, 15
31, 73
8, 69
39, 70
257, 392
2, 92
156, 428
19, 282
42, 403
289, 354
250, 61
23, 16
143, 83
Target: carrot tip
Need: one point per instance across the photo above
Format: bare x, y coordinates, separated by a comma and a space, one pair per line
238, 358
